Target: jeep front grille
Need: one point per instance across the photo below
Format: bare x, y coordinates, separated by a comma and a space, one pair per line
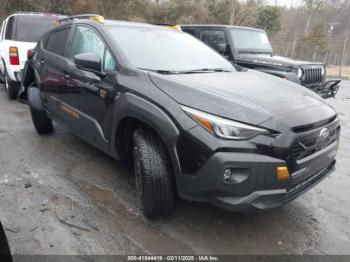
312, 76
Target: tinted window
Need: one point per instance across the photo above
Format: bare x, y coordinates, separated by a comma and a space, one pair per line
163, 49
86, 40
57, 41
190, 31
30, 28
9, 28
215, 38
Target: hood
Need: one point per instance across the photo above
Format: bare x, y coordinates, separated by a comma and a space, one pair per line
270, 59
251, 96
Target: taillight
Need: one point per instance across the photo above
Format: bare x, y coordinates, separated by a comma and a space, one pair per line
14, 58
30, 53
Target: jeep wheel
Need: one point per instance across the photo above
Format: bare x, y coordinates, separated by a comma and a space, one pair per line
153, 172
11, 87
42, 123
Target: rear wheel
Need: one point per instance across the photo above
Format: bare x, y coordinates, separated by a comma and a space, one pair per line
11, 87
42, 123
154, 174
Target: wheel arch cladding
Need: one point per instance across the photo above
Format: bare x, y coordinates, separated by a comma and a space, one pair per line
131, 112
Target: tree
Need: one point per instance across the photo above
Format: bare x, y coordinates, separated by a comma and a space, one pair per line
269, 19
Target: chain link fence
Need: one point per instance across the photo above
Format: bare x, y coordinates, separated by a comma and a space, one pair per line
334, 52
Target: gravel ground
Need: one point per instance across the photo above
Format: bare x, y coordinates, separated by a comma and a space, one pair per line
59, 195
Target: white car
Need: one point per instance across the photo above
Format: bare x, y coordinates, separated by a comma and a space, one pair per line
19, 34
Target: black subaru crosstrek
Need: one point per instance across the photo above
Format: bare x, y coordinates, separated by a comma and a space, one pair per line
195, 125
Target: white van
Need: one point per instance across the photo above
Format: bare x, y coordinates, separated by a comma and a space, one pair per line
19, 34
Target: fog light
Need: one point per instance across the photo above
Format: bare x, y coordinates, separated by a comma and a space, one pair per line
227, 174
282, 173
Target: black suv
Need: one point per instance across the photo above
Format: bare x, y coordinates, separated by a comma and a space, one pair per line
251, 48
195, 125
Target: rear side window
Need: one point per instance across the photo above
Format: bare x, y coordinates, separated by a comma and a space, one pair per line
56, 42
30, 28
9, 28
191, 31
214, 38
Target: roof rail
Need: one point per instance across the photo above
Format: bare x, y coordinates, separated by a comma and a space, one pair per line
171, 26
97, 18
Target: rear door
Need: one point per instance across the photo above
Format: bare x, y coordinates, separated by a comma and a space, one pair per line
50, 67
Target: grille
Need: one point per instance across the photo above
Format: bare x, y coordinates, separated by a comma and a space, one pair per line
312, 76
309, 146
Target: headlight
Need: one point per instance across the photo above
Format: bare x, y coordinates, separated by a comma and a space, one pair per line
300, 73
225, 128
323, 71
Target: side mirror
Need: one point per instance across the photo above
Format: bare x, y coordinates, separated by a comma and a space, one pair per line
88, 61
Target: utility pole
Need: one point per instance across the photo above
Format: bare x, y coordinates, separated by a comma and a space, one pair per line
232, 12
343, 55
294, 46
330, 34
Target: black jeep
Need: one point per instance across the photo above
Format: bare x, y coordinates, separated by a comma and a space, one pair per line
251, 48
194, 124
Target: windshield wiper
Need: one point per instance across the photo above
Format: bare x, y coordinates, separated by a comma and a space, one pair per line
204, 70
164, 72
194, 71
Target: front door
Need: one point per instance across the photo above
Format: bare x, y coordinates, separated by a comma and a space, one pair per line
94, 100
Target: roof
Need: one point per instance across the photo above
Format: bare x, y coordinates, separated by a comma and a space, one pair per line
93, 18
122, 23
223, 26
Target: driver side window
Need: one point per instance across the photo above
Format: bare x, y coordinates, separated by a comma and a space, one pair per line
86, 40
215, 38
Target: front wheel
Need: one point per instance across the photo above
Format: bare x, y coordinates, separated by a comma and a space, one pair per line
154, 174
42, 123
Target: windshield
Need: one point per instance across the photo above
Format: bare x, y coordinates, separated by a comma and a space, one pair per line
251, 40
166, 50
30, 28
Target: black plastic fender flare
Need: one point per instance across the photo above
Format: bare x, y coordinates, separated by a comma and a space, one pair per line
132, 106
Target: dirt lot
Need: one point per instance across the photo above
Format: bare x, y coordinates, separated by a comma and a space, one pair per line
59, 195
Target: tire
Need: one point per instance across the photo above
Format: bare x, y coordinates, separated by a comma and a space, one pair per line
11, 87
42, 123
2, 78
153, 172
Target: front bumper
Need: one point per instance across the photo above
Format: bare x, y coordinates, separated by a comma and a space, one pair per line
254, 185
328, 89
